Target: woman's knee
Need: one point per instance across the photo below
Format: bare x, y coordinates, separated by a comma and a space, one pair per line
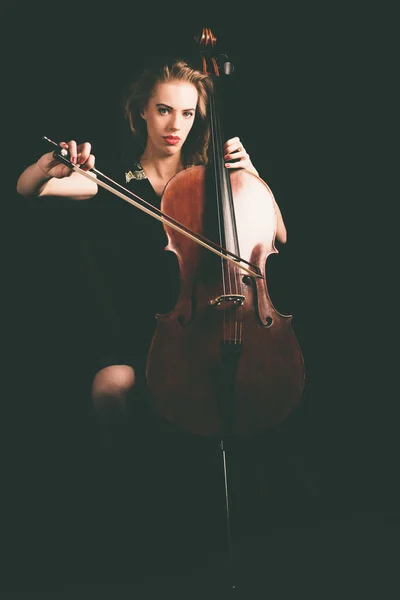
111, 386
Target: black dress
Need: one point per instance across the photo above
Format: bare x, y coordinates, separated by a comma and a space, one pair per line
132, 277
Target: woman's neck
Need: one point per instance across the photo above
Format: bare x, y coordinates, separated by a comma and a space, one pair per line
162, 167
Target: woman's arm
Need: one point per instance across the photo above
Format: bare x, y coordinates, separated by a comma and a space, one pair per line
50, 177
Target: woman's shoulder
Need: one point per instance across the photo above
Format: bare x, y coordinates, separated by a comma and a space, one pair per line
112, 166
124, 175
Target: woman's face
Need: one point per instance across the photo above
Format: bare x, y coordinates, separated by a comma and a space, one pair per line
170, 115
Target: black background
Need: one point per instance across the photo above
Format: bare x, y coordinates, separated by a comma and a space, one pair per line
306, 99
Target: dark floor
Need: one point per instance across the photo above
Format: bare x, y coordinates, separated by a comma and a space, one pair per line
75, 527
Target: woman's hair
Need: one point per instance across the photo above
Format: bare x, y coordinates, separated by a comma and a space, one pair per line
194, 150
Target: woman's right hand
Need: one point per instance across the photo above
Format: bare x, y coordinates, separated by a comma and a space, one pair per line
79, 154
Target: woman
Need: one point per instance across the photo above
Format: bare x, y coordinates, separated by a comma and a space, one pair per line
167, 113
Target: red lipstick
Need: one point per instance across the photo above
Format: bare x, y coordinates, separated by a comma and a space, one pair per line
172, 139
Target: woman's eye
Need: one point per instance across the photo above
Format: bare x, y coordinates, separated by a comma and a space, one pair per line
188, 114
163, 111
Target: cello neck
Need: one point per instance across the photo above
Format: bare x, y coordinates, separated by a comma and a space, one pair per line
221, 175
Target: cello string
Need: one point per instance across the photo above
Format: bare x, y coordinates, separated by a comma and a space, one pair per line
216, 148
232, 328
215, 162
234, 283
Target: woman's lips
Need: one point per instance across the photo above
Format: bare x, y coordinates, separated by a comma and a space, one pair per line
170, 139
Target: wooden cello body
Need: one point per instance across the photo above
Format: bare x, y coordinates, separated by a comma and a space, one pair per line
223, 361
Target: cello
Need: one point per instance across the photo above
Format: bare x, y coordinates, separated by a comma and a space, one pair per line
224, 361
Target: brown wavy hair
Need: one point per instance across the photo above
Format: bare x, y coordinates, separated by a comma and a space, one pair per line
194, 150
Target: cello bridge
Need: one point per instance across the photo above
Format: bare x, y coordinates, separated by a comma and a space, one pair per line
234, 299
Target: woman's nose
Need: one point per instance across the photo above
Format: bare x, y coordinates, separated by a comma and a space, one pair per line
175, 123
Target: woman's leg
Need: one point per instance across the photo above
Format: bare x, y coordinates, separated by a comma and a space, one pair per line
111, 402
113, 502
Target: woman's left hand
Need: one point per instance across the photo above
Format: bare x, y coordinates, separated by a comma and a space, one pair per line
234, 150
